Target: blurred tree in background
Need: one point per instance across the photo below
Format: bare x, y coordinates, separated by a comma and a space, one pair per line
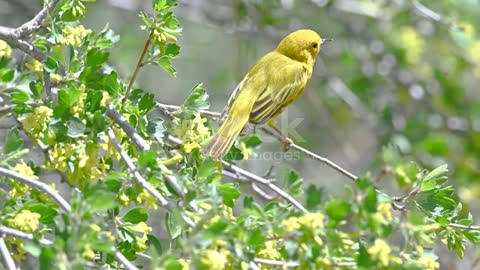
393, 99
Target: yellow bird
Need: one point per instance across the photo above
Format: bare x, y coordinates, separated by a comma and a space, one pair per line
275, 81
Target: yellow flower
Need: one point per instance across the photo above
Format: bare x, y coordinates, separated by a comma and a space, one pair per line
413, 44
184, 263
141, 227
312, 221
147, 199
140, 243
88, 253
34, 66
383, 214
95, 227
190, 146
23, 169
74, 36
270, 251
26, 221
211, 260
428, 263
37, 120
291, 224
5, 50
123, 199
380, 251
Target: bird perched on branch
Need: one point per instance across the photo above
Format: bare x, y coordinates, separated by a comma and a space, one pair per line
277, 80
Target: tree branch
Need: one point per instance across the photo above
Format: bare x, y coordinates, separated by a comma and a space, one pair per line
39, 185
133, 170
22, 235
9, 262
36, 22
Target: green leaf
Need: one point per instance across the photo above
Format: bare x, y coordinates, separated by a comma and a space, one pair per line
166, 64
257, 238
32, 248
46, 258
206, 168
13, 141
252, 141
96, 57
174, 224
172, 50
93, 100
338, 209
147, 102
427, 185
230, 193
102, 200
76, 128
50, 65
153, 241
20, 97
65, 99
371, 200
437, 172
314, 197
136, 215
197, 99
7, 75
36, 88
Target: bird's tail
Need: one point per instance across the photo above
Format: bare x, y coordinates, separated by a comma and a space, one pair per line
221, 142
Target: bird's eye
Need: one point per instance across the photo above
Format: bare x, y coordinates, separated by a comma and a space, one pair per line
315, 45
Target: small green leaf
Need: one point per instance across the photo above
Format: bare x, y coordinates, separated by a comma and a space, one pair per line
230, 194
427, 185
441, 170
166, 64
174, 225
153, 241
206, 168
172, 50
7, 75
197, 99
66, 98
314, 196
76, 128
96, 57
147, 102
136, 215
371, 200
33, 248
102, 200
13, 141
36, 88
20, 97
257, 238
252, 141
338, 209
50, 65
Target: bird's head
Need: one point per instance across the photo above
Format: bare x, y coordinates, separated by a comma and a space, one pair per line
302, 45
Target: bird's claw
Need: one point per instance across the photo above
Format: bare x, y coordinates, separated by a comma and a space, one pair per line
286, 143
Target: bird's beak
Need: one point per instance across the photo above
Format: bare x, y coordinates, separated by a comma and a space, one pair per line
326, 40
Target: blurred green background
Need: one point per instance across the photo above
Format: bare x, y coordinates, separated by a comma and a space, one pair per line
402, 73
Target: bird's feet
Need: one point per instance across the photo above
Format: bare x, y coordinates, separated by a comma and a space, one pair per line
286, 143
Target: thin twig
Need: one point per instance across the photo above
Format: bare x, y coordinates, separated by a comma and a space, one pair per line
265, 182
324, 160
39, 185
141, 144
126, 263
137, 68
19, 234
36, 22
276, 263
7, 258
133, 170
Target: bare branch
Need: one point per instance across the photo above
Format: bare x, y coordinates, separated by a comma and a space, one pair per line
19, 234
267, 183
133, 170
276, 263
39, 185
141, 144
9, 263
126, 263
36, 22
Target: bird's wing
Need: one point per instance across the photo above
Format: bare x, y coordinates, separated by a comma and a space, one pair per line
234, 96
285, 87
